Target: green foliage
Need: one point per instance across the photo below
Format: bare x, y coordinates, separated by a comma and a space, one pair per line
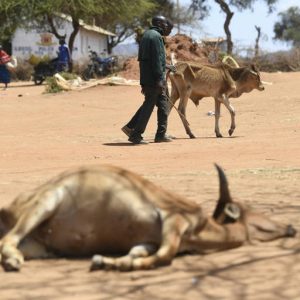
51, 86
42, 12
288, 28
248, 4
68, 75
51, 83
123, 21
34, 60
8, 22
202, 6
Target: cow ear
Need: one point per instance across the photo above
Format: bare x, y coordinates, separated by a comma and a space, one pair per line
254, 68
232, 211
3, 221
224, 197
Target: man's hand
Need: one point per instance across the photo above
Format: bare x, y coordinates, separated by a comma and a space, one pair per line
172, 68
162, 86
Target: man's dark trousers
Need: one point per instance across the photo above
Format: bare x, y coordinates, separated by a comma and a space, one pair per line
153, 96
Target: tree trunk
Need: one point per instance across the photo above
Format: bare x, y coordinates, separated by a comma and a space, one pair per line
53, 28
110, 44
76, 27
256, 53
121, 36
229, 14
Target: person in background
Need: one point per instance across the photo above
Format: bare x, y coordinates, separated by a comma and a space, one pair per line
152, 62
4, 73
64, 57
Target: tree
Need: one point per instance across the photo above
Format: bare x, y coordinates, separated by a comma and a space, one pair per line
288, 28
126, 27
139, 19
201, 6
134, 14
42, 13
256, 52
182, 15
8, 23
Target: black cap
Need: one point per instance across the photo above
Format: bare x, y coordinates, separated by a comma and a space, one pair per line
163, 23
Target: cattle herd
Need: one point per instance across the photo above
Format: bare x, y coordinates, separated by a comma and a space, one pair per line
123, 221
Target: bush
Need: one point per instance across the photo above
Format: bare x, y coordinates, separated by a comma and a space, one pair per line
294, 59
34, 60
284, 61
22, 72
53, 87
68, 76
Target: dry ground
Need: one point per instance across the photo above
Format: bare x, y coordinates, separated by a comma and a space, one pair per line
41, 135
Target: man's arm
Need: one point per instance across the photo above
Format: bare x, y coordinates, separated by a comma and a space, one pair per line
157, 54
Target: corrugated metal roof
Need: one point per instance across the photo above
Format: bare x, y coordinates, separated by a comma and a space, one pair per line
96, 29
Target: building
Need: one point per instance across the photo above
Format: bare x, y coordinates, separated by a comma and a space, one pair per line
36, 42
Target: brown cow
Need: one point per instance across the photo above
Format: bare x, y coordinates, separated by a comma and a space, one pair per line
196, 81
109, 210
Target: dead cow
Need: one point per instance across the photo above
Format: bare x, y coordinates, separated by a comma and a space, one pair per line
110, 211
196, 81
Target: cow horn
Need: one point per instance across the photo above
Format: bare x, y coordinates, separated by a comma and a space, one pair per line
224, 196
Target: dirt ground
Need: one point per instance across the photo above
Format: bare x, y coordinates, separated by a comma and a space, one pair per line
42, 135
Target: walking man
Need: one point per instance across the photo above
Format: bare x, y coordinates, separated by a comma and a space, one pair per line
152, 62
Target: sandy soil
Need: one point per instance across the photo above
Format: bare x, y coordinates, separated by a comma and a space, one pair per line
42, 135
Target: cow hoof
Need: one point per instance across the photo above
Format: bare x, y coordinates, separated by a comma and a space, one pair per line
97, 263
219, 135
192, 136
11, 264
291, 231
230, 131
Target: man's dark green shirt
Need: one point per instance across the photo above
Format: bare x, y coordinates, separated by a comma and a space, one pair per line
152, 57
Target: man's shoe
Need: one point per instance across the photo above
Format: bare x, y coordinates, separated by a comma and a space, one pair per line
162, 139
136, 141
171, 136
127, 130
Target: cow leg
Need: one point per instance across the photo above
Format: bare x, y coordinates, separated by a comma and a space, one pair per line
217, 118
146, 256
123, 263
45, 205
182, 112
172, 232
174, 97
231, 110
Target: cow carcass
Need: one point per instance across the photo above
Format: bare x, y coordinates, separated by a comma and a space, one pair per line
124, 221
